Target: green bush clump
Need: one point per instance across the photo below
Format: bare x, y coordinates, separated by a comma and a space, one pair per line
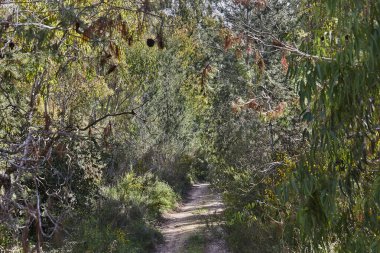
255, 220
146, 192
122, 221
117, 236
196, 244
6, 239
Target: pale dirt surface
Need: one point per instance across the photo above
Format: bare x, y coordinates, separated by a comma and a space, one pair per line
191, 218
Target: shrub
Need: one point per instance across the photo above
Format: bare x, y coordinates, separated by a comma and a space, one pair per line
145, 192
178, 176
6, 239
122, 220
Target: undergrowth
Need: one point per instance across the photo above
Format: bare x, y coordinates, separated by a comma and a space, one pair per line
124, 216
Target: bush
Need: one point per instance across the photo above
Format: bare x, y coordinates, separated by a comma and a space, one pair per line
247, 236
145, 192
6, 239
126, 235
255, 219
178, 176
122, 220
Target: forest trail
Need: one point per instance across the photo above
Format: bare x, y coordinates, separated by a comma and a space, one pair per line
190, 219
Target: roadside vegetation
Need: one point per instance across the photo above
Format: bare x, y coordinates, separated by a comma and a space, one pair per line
110, 110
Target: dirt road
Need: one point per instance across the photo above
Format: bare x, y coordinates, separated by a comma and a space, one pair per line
191, 218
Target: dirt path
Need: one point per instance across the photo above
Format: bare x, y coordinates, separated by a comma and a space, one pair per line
190, 218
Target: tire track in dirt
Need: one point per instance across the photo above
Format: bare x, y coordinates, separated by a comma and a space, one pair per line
191, 218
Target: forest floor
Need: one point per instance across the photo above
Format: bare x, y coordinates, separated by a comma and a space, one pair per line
194, 227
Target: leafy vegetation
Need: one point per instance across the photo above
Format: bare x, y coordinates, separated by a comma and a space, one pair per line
195, 244
124, 218
109, 110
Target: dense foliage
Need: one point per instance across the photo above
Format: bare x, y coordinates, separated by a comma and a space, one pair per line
319, 192
110, 109
338, 178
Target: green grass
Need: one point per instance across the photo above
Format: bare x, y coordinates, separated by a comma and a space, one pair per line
196, 244
200, 211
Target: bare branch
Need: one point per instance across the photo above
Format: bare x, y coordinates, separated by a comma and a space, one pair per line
284, 46
39, 25
132, 112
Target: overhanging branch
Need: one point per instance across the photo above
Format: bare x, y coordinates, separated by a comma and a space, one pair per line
132, 112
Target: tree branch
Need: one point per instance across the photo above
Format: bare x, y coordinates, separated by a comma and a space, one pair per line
39, 25
132, 112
